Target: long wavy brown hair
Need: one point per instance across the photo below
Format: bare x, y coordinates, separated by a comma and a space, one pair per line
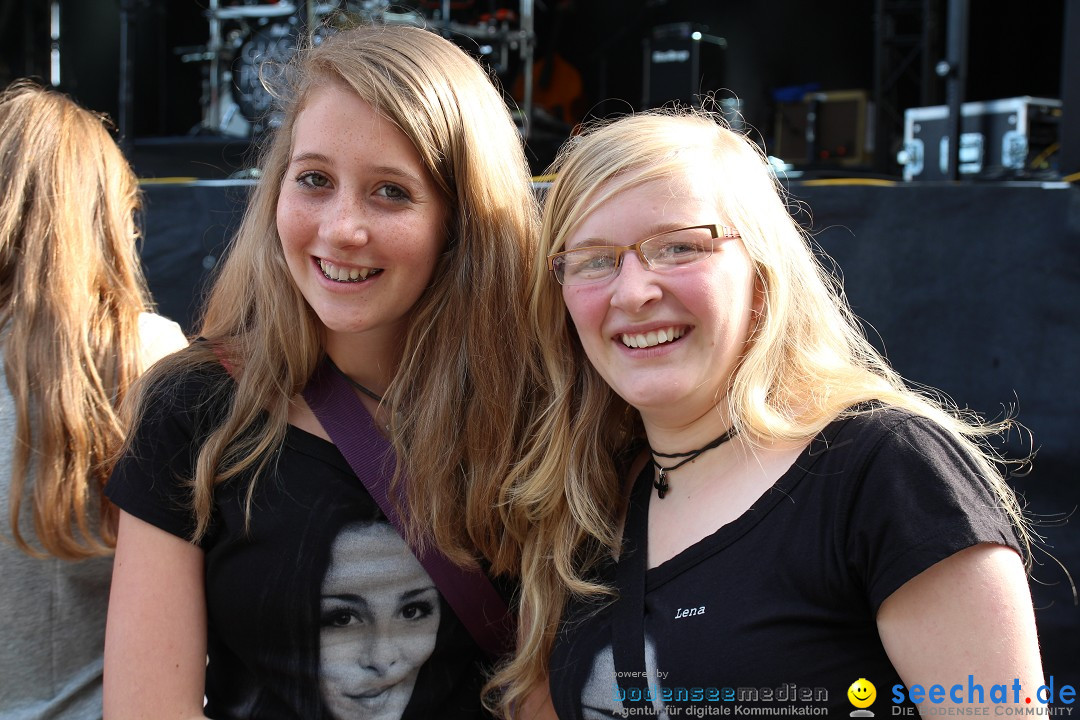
71, 292
468, 356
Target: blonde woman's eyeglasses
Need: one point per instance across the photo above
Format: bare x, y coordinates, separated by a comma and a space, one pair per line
596, 263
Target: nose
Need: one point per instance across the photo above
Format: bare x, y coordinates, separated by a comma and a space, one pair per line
345, 221
380, 654
635, 286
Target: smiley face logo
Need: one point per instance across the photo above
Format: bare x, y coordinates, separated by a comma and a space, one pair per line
862, 693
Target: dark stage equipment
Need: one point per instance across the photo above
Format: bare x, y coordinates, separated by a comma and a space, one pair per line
954, 69
825, 129
1070, 90
1014, 138
248, 41
682, 62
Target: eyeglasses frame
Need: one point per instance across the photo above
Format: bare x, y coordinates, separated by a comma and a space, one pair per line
719, 232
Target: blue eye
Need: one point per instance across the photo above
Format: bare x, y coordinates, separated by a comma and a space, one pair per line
598, 262
679, 247
589, 262
674, 250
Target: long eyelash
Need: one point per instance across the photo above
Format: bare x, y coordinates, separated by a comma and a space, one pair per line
398, 192
305, 177
426, 609
331, 618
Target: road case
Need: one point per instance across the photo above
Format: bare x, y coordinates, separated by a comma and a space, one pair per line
1007, 139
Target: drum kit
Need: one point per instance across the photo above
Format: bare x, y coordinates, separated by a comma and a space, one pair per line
250, 41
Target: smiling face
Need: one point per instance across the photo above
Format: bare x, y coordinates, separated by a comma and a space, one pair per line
862, 693
361, 221
665, 341
379, 617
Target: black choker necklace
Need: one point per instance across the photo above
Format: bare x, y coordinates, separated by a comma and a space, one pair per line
370, 393
661, 484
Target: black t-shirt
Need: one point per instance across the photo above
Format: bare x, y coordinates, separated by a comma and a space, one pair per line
777, 608
319, 609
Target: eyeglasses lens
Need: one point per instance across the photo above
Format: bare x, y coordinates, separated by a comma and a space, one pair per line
593, 264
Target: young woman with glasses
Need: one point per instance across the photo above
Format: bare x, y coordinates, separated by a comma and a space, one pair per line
733, 498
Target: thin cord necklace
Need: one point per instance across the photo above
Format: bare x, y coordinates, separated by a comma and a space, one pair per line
661, 484
370, 393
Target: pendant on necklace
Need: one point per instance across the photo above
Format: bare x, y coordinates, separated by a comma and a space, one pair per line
661, 485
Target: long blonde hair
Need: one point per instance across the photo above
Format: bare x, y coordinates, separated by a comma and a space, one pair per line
71, 291
808, 362
466, 360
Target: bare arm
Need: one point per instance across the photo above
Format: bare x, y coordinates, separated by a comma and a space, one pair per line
969, 614
155, 639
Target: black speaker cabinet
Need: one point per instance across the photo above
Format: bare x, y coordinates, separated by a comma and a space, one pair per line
682, 62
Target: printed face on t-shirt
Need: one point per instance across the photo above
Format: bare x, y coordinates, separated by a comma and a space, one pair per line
378, 619
604, 691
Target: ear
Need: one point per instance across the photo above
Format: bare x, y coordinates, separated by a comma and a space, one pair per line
757, 304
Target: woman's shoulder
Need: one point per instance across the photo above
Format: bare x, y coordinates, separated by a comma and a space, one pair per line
885, 438
896, 450
878, 422
158, 336
189, 382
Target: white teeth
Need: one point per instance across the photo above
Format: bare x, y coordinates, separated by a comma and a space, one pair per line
342, 274
653, 337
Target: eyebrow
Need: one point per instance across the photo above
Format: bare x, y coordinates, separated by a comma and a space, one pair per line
350, 598
378, 170
308, 156
397, 172
360, 600
601, 242
415, 593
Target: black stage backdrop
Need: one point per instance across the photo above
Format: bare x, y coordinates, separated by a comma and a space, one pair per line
972, 289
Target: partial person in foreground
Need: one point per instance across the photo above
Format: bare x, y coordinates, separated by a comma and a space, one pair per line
385, 253
75, 331
732, 496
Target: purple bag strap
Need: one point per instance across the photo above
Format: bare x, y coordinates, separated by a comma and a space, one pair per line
351, 427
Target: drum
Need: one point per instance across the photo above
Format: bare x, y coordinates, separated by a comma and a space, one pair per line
260, 60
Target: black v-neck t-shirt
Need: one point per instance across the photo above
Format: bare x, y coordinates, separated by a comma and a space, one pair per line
777, 608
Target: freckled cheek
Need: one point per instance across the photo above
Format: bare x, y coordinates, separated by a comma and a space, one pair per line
293, 225
420, 251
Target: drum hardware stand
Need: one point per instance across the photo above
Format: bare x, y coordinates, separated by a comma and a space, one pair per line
528, 41
218, 114
524, 39
126, 110
954, 70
